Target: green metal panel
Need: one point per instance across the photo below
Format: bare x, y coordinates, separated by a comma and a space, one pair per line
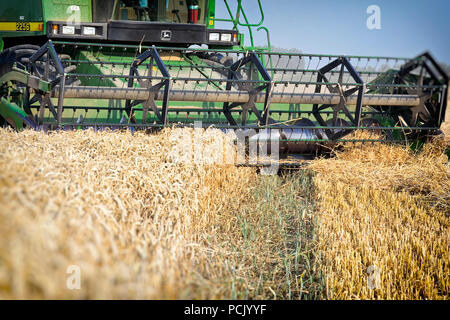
12, 113
12, 11
19, 75
66, 10
210, 23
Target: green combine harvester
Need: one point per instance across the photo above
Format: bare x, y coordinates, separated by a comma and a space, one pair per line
150, 64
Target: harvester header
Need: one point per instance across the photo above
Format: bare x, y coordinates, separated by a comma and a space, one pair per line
153, 64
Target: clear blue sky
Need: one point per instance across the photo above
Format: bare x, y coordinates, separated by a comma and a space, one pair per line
408, 27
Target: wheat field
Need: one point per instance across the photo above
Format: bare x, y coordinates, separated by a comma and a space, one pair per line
138, 223
385, 207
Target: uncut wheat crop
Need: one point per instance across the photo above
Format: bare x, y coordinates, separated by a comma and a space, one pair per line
157, 216
117, 205
384, 222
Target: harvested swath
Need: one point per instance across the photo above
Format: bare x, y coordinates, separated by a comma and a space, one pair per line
115, 204
385, 206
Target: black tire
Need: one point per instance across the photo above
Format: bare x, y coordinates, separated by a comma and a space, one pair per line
22, 54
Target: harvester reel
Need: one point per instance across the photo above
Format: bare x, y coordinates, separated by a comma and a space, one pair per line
234, 76
202, 80
428, 109
422, 77
21, 55
43, 67
153, 90
220, 62
341, 107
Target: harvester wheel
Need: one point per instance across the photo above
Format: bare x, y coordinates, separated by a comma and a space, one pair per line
19, 56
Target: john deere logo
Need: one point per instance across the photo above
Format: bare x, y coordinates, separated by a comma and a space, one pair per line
166, 35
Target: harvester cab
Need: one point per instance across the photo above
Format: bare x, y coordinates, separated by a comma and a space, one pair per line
149, 64
157, 22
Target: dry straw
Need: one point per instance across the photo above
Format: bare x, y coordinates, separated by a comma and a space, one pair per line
114, 204
143, 221
388, 207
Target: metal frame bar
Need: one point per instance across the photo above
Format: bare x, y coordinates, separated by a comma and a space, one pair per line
342, 106
153, 54
253, 91
248, 93
49, 50
426, 91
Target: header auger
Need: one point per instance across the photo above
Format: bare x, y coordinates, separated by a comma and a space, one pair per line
122, 76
